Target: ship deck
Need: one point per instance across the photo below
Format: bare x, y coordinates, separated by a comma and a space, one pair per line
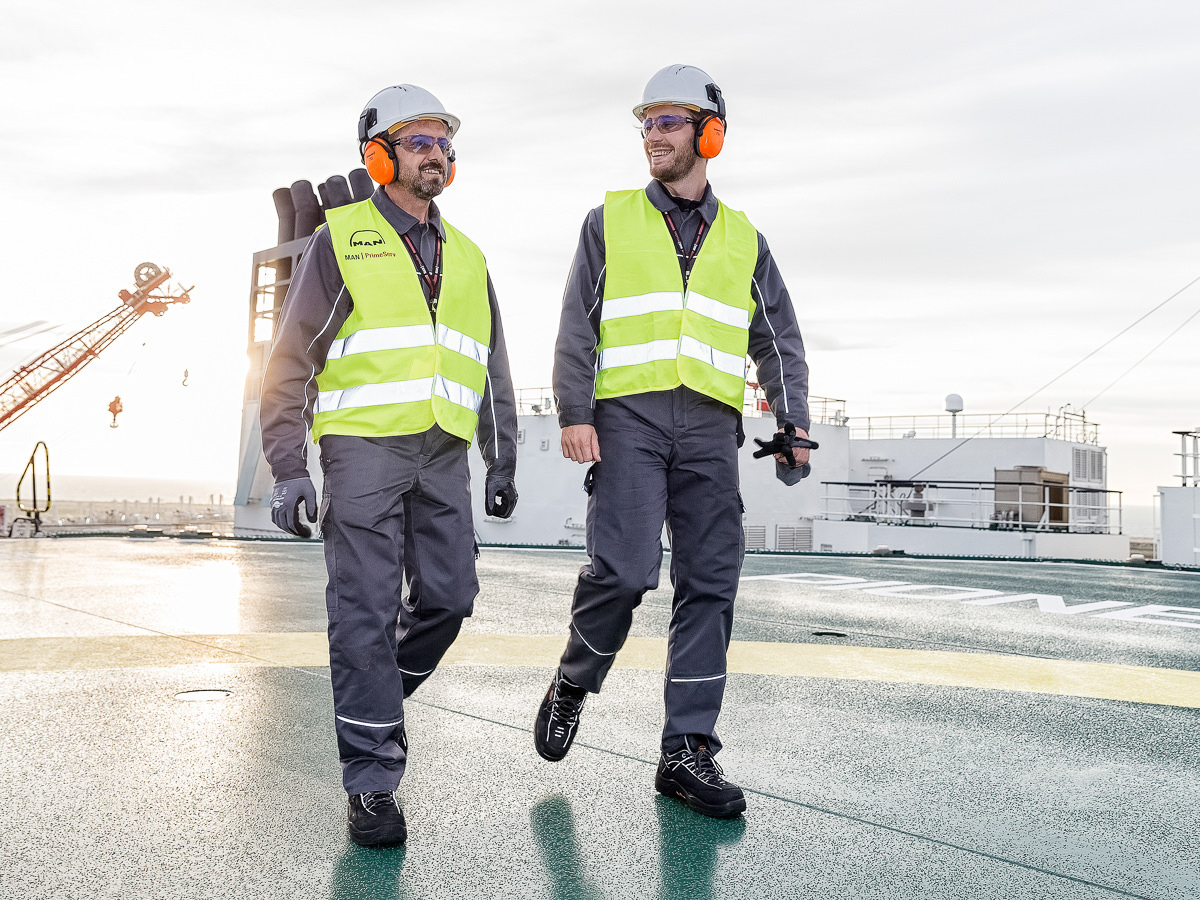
902, 727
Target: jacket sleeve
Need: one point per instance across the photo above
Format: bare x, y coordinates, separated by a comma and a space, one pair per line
497, 429
579, 327
776, 345
315, 308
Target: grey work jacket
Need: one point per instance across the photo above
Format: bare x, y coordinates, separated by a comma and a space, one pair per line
316, 307
775, 343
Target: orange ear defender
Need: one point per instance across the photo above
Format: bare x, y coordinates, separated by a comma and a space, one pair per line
380, 160
710, 137
450, 169
710, 131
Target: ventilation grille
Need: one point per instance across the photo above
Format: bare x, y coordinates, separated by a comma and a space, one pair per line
794, 537
756, 537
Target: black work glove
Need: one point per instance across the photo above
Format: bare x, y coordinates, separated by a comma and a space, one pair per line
500, 496
790, 475
285, 505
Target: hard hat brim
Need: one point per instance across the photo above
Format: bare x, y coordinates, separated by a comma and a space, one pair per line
639, 111
452, 122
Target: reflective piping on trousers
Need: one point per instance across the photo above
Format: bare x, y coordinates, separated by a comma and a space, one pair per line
375, 395
704, 678
589, 646
736, 316
624, 307
369, 340
406, 672
399, 721
458, 394
718, 359
462, 344
637, 354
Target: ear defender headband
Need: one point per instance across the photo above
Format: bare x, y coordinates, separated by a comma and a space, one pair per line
380, 157
710, 130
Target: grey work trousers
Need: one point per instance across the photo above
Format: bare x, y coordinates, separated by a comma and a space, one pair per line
666, 456
391, 508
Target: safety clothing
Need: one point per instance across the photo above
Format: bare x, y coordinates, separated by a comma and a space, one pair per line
285, 505
655, 332
392, 369
398, 104
668, 456
395, 510
681, 86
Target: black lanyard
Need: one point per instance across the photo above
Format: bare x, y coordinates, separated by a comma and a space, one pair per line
433, 280
689, 259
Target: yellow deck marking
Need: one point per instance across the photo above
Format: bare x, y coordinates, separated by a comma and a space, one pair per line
1168, 687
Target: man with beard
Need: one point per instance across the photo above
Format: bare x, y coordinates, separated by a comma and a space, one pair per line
390, 349
669, 291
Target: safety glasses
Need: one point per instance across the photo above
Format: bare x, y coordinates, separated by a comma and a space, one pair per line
665, 124
422, 143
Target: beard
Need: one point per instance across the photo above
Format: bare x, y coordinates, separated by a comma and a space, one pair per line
680, 166
424, 183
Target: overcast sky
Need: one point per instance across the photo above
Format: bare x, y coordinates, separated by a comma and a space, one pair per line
962, 196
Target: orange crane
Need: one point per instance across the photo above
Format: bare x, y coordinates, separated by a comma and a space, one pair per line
33, 382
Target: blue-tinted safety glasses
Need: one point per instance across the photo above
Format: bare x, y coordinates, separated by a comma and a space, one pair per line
665, 124
422, 143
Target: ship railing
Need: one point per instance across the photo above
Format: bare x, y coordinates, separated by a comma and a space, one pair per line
821, 410
536, 402
1063, 426
540, 401
997, 506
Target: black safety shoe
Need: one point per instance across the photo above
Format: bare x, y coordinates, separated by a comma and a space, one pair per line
557, 718
691, 775
375, 820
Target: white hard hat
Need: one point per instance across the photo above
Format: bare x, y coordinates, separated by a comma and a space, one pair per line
682, 86
401, 103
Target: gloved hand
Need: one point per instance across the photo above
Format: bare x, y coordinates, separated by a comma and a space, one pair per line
791, 475
285, 505
500, 496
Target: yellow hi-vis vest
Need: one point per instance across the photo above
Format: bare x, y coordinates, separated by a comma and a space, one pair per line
654, 334
391, 369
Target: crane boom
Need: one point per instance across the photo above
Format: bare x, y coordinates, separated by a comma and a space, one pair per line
33, 382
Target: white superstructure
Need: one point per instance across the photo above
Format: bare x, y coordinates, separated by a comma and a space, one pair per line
1017, 486
1178, 537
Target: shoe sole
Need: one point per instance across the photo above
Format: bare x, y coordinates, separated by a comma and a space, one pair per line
672, 789
546, 756
379, 837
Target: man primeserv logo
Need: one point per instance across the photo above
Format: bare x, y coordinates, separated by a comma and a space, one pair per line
366, 238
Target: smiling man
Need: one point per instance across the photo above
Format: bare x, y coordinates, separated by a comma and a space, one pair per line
668, 293
390, 349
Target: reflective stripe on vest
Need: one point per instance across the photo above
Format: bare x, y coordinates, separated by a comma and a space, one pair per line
654, 335
389, 370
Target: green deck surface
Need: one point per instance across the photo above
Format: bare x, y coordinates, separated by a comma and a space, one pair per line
861, 782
